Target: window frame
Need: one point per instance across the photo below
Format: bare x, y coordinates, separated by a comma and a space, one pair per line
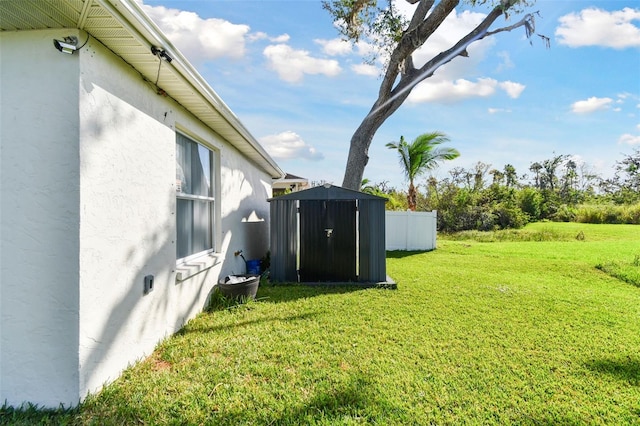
211, 199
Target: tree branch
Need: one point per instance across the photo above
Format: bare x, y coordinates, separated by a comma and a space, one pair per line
420, 13
412, 40
528, 21
522, 22
409, 80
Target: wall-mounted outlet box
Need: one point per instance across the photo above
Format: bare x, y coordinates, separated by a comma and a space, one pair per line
148, 284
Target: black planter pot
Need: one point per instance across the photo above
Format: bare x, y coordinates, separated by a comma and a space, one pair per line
244, 290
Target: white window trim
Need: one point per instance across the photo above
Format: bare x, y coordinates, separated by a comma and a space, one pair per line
195, 263
183, 196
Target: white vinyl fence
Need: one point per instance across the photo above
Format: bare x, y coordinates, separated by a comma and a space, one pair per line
411, 230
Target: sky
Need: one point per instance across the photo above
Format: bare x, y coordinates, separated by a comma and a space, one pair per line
282, 68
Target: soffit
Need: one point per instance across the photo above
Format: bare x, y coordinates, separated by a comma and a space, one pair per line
125, 29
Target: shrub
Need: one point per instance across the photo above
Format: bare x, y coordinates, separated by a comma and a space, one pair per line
564, 213
509, 216
631, 214
530, 202
608, 213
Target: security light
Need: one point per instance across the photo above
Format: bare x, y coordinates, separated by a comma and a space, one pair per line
68, 45
161, 53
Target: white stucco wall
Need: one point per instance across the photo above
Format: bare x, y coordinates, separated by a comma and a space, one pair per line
39, 220
124, 222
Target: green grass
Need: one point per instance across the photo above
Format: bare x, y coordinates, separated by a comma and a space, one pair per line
626, 271
516, 331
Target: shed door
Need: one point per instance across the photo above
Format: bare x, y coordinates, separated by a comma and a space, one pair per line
327, 241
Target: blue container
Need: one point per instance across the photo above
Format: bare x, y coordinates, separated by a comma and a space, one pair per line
253, 267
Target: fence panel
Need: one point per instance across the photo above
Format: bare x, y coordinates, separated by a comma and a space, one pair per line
410, 230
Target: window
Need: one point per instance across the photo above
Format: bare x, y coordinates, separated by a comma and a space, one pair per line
195, 197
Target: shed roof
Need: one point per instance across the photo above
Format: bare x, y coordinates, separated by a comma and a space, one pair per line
328, 192
124, 28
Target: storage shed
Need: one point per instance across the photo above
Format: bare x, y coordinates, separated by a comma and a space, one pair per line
328, 234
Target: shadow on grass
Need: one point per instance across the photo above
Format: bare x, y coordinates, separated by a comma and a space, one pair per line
190, 330
31, 414
626, 369
287, 292
353, 401
401, 254
628, 272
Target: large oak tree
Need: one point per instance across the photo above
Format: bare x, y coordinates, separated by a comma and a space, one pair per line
400, 38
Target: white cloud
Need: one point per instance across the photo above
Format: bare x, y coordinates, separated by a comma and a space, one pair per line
280, 39
366, 69
367, 49
199, 39
289, 145
258, 36
590, 105
506, 63
576, 158
498, 110
596, 27
514, 90
629, 139
291, 64
264, 36
335, 47
446, 91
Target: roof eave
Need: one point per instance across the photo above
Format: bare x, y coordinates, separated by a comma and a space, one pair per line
132, 16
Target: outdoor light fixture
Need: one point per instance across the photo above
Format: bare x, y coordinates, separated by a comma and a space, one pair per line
67, 45
161, 53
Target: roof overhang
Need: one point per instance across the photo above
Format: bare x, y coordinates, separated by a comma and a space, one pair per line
124, 28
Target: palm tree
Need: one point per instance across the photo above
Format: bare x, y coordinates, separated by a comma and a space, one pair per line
535, 168
421, 155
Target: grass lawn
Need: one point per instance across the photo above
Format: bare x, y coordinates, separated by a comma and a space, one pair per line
516, 330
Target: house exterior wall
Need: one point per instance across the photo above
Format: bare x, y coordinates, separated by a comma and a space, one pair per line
124, 214
39, 220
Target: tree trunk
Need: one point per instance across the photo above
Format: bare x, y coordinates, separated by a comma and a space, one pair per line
359, 154
358, 158
411, 197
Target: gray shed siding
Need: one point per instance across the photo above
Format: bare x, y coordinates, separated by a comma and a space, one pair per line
372, 241
371, 233
284, 240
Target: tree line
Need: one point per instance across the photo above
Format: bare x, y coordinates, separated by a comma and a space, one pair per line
558, 189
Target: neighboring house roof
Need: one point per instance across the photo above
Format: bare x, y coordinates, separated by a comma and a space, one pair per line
289, 180
289, 176
124, 28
